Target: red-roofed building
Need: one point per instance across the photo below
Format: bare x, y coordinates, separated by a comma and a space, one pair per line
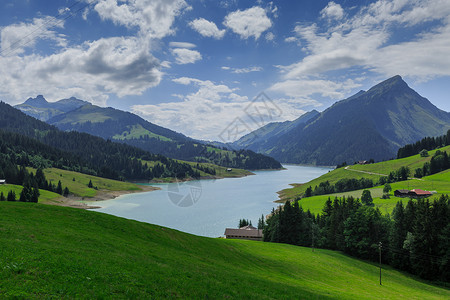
418, 193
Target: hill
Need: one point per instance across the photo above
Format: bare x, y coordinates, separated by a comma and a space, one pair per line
436, 182
29, 142
372, 124
127, 128
56, 252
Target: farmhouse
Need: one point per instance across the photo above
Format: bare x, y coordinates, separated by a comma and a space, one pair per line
244, 233
2, 181
401, 193
415, 193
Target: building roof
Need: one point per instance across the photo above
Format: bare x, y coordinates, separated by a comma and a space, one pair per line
256, 233
402, 191
421, 192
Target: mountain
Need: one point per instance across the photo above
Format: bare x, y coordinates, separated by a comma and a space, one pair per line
264, 137
127, 128
370, 124
29, 142
42, 110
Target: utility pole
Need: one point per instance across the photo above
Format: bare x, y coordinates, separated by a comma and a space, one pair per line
379, 247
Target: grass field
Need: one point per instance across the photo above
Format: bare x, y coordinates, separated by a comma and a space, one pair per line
58, 252
440, 183
79, 186
45, 196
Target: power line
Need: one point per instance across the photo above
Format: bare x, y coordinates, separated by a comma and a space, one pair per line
24, 41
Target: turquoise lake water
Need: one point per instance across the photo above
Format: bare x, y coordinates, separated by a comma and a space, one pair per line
207, 207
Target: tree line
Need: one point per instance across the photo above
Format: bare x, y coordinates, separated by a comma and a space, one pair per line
428, 143
178, 147
31, 183
415, 238
30, 142
353, 184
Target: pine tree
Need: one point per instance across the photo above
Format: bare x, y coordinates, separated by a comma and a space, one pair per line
66, 192
59, 189
90, 185
2, 197
11, 196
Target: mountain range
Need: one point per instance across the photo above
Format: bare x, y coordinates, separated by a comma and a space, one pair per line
371, 124
127, 128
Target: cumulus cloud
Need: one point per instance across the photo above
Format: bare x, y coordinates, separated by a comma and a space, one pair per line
92, 70
154, 18
17, 37
332, 11
365, 40
207, 28
186, 56
248, 23
122, 66
209, 111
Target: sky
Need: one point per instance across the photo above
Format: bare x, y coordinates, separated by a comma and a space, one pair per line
216, 70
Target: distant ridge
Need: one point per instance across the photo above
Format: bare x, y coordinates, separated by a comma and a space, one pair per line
369, 124
43, 110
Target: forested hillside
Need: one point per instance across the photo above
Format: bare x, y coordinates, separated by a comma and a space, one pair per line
124, 127
81, 152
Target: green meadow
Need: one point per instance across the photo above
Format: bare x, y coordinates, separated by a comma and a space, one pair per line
59, 252
438, 183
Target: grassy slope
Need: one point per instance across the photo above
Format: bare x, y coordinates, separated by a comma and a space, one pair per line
437, 182
136, 131
79, 187
50, 251
45, 196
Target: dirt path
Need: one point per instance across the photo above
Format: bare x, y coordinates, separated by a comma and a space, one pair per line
370, 173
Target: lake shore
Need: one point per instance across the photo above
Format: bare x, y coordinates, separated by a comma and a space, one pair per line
102, 195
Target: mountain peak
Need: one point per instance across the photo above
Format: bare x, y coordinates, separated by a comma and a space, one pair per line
393, 83
39, 101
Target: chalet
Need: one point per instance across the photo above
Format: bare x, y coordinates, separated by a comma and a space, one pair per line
401, 193
415, 193
363, 162
229, 169
2, 181
418, 193
244, 233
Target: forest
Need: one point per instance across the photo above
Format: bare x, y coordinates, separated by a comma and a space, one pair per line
427, 143
29, 142
415, 238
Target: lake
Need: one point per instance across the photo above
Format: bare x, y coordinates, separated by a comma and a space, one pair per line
207, 207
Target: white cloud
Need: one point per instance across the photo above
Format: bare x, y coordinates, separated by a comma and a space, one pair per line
94, 69
207, 112
305, 88
186, 56
291, 39
248, 23
207, 28
243, 70
332, 11
122, 66
15, 38
182, 45
365, 40
154, 18
270, 36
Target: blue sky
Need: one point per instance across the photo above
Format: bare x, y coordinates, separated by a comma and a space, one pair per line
197, 66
